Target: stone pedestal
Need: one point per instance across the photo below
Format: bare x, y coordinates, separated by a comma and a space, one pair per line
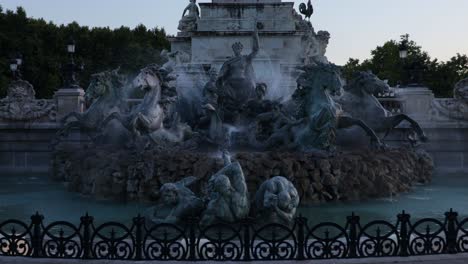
417, 102
69, 100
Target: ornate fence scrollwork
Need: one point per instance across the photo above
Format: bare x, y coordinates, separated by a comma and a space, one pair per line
15, 238
378, 239
113, 241
245, 240
274, 242
462, 236
327, 241
427, 237
61, 240
166, 242
220, 241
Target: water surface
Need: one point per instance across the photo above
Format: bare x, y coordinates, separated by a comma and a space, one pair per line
23, 195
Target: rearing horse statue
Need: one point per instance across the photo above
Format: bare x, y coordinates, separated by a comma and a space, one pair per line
317, 116
359, 102
149, 115
105, 95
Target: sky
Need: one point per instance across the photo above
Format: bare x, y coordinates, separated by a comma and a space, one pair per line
356, 26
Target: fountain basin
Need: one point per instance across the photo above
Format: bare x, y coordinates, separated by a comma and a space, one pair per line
124, 175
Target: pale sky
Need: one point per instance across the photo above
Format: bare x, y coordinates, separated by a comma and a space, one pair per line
356, 26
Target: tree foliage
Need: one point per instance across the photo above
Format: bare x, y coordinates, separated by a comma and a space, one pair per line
386, 63
42, 45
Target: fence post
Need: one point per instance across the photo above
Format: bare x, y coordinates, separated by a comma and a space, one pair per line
451, 231
86, 222
246, 239
139, 221
192, 239
404, 220
301, 222
36, 221
353, 222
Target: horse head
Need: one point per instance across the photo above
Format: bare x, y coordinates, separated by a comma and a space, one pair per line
107, 83
150, 78
326, 77
367, 83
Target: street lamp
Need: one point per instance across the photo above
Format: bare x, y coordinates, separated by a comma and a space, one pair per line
403, 49
70, 69
71, 46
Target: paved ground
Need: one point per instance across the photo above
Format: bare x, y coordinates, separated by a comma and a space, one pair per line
442, 259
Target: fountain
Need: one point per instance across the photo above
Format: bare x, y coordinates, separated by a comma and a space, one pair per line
283, 134
261, 152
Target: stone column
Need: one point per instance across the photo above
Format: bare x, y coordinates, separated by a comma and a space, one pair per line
69, 100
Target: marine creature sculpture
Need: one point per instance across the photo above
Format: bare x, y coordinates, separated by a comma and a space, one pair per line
317, 115
306, 10
276, 201
359, 102
149, 115
105, 96
177, 203
20, 105
236, 81
189, 21
453, 108
227, 195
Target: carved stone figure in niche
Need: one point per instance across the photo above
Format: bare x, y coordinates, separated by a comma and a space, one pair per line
277, 200
189, 21
21, 104
177, 202
227, 195
236, 81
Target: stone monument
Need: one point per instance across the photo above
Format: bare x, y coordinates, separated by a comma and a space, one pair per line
287, 41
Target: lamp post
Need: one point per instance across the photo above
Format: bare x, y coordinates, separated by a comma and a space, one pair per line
70, 70
414, 70
403, 52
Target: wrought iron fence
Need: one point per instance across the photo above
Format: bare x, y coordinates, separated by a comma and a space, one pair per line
244, 240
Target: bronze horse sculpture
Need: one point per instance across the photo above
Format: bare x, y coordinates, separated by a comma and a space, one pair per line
105, 96
317, 115
149, 115
359, 101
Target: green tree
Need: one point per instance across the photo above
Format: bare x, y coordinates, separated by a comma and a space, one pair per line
386, 63
43, 45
